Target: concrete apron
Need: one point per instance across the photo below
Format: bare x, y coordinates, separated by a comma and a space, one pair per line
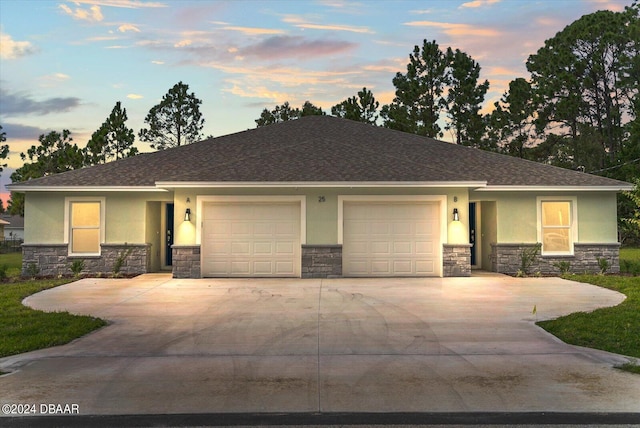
337, 345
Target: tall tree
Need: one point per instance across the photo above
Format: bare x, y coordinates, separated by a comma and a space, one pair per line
581, 78
4, 149
419, 98
363, 108
113, 140
511, 126
284, 112
281, 113
54, 154
309, 109
464, 99
175, 121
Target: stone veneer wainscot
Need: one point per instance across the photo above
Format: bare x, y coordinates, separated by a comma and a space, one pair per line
54, 259
506, 258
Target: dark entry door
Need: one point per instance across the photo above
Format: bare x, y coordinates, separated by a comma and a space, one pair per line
472, 231
169, 236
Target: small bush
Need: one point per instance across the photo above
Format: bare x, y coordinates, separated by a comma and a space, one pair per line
631, 267
564, 267
528, 257
76, 267
3, 272
33, 270
604, 265
120, 260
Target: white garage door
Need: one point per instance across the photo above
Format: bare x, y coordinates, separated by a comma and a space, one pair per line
391, 239
251, 239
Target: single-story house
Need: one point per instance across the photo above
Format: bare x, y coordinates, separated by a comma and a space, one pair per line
3, 224
14, 230
319, 197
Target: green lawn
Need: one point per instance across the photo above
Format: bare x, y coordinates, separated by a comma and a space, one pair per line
23, 329
13, 262
615, 329
630, 260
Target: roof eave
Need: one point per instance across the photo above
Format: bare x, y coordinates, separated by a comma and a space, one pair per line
608, 188
312, 184
26, 188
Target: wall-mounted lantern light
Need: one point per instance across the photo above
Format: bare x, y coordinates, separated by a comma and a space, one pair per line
187, 215
456, 217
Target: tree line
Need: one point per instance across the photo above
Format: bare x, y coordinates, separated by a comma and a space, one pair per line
578, 109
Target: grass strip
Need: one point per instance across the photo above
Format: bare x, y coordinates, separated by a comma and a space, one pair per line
615, 329
23, 329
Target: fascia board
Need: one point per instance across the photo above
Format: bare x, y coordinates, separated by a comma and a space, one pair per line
25, 188
621, 188
307, 184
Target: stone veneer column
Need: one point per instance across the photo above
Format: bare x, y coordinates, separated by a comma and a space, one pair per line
456, 260
186, 261
321, 261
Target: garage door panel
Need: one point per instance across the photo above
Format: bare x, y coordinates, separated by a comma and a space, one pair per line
262, 248
403, 248
381, 267
251, 239
424, 227
402, 267
391, 239
425, 267
239, 267
284, 268
237, 248
263, 268
380, 248
238, 228
286, 229
285, 248
380, 228
403, 228
425, 247
260, 228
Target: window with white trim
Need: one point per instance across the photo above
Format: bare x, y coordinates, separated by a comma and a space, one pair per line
556, 226
85, 226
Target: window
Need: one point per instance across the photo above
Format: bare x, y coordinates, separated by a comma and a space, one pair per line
85, 226
557, 226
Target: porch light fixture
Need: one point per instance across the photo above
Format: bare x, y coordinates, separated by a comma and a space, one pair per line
456, 217
187, 215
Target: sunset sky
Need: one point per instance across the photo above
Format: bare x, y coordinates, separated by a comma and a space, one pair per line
64, 64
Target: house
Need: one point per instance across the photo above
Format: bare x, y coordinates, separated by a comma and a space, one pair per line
14, 229
3, 225
319, 197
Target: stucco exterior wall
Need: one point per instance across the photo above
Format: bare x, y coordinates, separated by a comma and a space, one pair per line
516, 215
44, 218
125, 215
321, 216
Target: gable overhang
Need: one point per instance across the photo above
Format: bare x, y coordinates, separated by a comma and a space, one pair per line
315, 184
70, 189
620, 188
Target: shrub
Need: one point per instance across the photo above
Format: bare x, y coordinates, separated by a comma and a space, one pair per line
604, 265
3, 272
120, 260
528, 257
564, 267
76, 267
33, 270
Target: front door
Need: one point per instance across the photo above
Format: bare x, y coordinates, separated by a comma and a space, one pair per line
472, 232
169, 236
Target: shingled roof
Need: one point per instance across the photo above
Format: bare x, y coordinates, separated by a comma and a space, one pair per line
320, 149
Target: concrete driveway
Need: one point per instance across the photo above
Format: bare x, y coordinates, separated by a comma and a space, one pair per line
331, 345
